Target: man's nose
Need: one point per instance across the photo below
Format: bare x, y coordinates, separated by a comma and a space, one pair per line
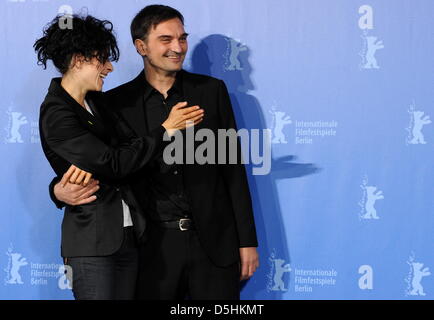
176, 46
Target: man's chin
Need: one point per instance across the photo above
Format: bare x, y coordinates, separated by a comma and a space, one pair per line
174, 68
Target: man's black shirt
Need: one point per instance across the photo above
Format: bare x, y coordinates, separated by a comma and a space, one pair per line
167, 200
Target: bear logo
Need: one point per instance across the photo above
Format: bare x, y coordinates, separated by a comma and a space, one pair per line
418, 274
419, 120
17, 120
372, 46
279, 270
372, 195
17, 263
235, 48
280, 121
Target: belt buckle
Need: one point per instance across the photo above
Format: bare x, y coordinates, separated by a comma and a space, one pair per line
180, 224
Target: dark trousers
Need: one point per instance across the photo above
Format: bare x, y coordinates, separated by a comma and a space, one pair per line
173, 265
111, 277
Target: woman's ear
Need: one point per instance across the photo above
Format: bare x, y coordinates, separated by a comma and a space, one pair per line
140, 47
76, 61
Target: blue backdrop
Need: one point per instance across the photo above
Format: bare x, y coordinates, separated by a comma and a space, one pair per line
346, 88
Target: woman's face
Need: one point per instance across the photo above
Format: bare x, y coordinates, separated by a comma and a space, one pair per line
92, 73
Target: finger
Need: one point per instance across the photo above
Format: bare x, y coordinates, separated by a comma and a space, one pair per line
186, 111
80, 177
86, 200
87, 192
194, 114
188, 124
251, 270
196, 122
74, 175
87, 178
186, 117
72, 192
191, 124
247, 276
179, 105
244, 271
196, 118
91, 184
67, 175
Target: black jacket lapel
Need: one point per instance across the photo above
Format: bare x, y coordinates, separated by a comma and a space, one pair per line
92, 122
192, 94
132, 108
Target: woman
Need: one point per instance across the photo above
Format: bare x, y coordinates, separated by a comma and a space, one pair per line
99, 239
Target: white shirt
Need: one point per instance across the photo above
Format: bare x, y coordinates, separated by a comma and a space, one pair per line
126, 210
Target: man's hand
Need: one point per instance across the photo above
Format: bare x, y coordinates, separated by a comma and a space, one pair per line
181, 117
249, 262
74, 194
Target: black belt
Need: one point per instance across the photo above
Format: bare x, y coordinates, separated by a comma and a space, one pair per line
181, 224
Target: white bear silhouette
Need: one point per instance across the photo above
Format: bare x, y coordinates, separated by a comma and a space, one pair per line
235, 49
17, 121
17, 263
372, 197
279, 122
418, 274
419, 122
373, 46
280, 269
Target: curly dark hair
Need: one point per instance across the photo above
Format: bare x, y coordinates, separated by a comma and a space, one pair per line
88, 37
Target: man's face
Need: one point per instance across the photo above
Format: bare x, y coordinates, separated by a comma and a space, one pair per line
166, 46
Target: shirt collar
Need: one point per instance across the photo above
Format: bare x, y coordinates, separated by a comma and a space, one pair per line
176, 87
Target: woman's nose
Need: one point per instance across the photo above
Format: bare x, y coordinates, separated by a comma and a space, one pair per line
109, 66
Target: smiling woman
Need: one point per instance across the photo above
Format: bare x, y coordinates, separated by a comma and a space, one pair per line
88, 46
100, 235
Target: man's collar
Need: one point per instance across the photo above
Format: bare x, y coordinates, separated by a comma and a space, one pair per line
176, 87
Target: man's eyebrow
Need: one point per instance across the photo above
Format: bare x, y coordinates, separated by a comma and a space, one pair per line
166, 36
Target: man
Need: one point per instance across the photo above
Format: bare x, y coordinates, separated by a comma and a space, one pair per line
201, 238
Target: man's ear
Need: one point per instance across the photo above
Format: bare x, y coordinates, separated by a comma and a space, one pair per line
140, 47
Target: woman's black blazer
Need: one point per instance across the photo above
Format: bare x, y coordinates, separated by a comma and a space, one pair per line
101, 144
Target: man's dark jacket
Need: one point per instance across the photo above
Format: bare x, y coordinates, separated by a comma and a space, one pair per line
219, 193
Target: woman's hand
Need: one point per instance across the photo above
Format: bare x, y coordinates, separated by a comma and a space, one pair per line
76, 176
181, 117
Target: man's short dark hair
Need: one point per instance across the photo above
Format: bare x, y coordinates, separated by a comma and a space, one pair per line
149, 17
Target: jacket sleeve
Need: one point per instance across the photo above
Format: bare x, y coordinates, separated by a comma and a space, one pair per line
235, 177
59, 204
125, 133
67, 137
